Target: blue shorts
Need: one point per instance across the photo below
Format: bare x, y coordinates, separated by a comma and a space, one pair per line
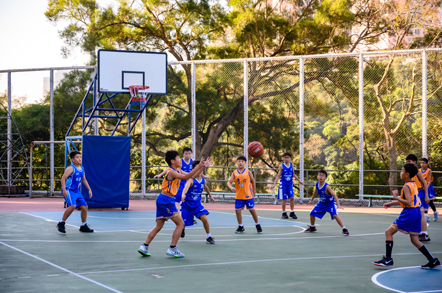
75, 198
321, 208
188, 212
179, 194
166, 208
285, 189
241, 203
431, 192
409, 221
422, 198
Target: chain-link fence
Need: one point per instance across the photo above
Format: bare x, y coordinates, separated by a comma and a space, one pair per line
356, 115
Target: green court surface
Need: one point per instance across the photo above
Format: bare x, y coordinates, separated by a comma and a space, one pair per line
34, 257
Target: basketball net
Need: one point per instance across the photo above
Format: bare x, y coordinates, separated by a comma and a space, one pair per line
138, 94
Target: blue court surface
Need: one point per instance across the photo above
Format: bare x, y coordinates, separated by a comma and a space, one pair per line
410, 280
145, 221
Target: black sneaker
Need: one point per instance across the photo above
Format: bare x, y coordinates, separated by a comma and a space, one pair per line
240, 230
183, 233
195, 222
425, 237
431, 265
61, 228
310, 229
421, 237
258, 229
345, 232
85, 228
384, 262
293, 216
210, 240
284, 215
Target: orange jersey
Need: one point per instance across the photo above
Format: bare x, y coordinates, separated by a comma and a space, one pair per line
417, 181
170, 187
426, 175
243, 185
415, 201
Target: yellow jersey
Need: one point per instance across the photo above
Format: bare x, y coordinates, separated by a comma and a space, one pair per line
426, 175
170, 187
243, 185
415, 201
417, 181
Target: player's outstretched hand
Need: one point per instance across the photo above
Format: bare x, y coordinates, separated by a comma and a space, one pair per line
157, 176
202, 162
208, 162
272, 187
300, 182
388, 204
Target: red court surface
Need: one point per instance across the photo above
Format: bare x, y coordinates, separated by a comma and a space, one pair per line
45, 204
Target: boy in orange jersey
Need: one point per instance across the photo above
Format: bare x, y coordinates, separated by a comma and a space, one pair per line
428, 176
165, 202
422, 188
409, 221
245, 189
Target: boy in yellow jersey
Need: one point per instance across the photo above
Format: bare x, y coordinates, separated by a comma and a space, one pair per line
409, 221
428, 176
422, 188
165, 202
245, 189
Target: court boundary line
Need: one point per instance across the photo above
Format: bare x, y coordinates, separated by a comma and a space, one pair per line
375, 281
247, 261
47, 220
219, 240
61, 268
284, 221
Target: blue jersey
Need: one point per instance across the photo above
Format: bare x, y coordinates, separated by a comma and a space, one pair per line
193, 195
73, 182
324, 197
186, 168
287, 172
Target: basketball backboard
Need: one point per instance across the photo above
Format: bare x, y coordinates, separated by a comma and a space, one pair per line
117, 70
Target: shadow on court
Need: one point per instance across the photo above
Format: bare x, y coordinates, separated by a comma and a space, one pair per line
34, 257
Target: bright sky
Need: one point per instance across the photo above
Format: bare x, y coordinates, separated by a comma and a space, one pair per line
29, 40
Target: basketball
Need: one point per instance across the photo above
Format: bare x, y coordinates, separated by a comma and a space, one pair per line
255, 149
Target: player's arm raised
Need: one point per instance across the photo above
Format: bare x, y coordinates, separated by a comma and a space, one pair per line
424, 184
192, 174
277, 177
229, 183
161, 174
330, 191
253, 182
85, 183
186, 188
69, 170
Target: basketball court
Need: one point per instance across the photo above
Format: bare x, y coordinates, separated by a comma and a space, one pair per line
37, 258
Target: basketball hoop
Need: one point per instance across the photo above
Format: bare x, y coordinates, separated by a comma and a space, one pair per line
138, 94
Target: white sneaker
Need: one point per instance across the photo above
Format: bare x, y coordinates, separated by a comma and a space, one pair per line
436, 216
143, 250
174, 252
427, 217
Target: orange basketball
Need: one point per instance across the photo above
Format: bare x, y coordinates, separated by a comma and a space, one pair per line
255, 149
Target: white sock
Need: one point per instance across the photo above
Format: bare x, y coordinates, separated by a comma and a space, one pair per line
208, 235
312, 225
292, 211
257, 224
241, 225
62, 221
82, 224
425, 232
343, 228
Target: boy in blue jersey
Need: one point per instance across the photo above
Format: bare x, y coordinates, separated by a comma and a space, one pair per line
191, 204
428, 176
72, 178
409, 221
285, 189
328, 202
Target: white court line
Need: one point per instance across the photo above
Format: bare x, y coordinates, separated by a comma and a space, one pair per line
285, 221
375, 276
184, 240
48, 220
244, 262
230, 235
121, 218
61, 268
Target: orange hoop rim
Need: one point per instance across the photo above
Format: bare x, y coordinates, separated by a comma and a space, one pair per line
133, 89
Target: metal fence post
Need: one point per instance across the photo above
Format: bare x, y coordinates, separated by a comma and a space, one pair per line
193, 126
143, 154
424, 104
9, 144
30, 170
51, 129
246, 108
301, 127
361, 127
